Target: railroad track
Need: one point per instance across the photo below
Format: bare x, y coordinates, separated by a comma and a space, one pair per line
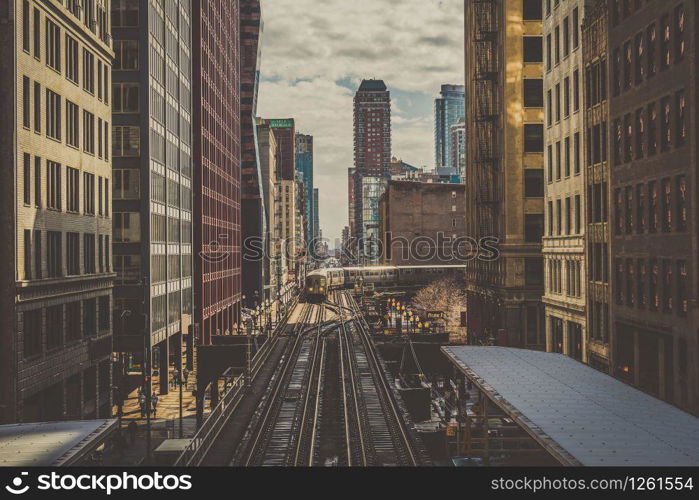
330, 402
382, 418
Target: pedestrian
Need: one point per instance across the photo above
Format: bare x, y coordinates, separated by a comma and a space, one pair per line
142, 404
154, 401
133, 429
175, 377
185, 375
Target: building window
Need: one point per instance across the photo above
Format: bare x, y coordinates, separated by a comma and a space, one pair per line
549, 108
90, 317
53, 45
37, 182
576, 153
88, 71
53, 185
126, 141
653, 287
72, 124
559, 218
27, 102
89, 253
25, 25
666, 203
549, 61
576, 28
26, 178
665, 53
628, 209
550, 215
534, 183
558, 161
125, 97
533, 51
32, 326
640, 209
88, 132
682, 201
72, 190
126, 55
557, 44
680, 29
88, 193
533, 228
558, 102
72, 59
566, 152
680, 118
533, 138
682, 284
54, 327
73, 253
127, 227
53, 115
566, 97
533, 272
578, 214
54, 254
124, 13
667, 286
532, 10
533, 93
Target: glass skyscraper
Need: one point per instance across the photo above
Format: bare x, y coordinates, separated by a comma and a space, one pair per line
448, 110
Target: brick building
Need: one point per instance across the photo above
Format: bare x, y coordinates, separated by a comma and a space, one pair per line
653, 185
55, 148
419, 222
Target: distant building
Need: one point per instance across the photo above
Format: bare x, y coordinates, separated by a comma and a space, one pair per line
448, 110
284, 130
55, 191
420, 222
287, 214
267, 148
304, 165
458, 149
372, 189
372, 148
316, 214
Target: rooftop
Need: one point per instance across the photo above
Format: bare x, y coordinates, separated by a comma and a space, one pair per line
51, 443
372, 86
582, 416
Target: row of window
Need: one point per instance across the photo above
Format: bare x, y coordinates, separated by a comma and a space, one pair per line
94, 188
95, 257
565, 159
571, 285
95, 135
565, 216
52, 327
566, 37
558, 99
652, 207
640, 58
653, 284
643, 134
95, 80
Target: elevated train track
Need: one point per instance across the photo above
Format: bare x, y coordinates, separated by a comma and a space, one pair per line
330, 402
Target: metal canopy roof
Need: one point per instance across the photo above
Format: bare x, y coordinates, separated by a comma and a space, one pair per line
51, 443
580, 415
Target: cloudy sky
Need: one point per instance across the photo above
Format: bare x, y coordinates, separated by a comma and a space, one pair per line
316, 52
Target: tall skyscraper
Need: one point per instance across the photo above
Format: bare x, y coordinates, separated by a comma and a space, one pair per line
654, 183
372, 146
267, 147
565, 190
217, 158
304, 165
152, 149
253, 204
56, 301
448, 110
504, 156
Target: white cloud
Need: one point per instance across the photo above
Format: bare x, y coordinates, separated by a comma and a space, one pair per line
311, 45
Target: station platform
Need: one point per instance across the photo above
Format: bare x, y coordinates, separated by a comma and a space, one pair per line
577, 414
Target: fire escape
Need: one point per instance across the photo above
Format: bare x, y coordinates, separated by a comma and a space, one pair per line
487, 123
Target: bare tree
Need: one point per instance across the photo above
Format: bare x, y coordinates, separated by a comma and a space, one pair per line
446, 295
